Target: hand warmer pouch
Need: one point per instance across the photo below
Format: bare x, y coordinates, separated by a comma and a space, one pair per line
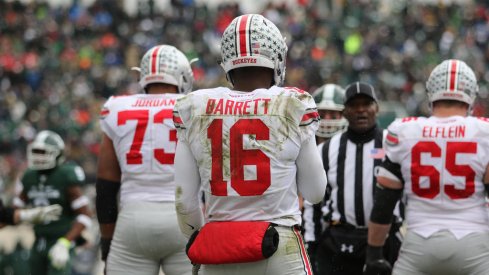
233, 242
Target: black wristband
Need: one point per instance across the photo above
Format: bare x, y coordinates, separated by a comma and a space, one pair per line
7, 215
374, 253
106, 200
105, 248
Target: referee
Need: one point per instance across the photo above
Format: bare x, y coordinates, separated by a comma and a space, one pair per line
336, 231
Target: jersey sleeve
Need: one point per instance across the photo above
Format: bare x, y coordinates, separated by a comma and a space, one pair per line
182, 116
105, 114
392, 145
311, 177
187, 180
74, 175
310, 117
483, 130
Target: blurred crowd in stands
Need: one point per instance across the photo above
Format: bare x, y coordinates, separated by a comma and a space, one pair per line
58, 65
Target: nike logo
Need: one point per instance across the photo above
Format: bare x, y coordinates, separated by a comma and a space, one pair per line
193, 228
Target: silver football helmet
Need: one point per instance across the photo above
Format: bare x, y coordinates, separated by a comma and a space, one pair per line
330, 97
251, 40
452, 80
45, 151
166, 64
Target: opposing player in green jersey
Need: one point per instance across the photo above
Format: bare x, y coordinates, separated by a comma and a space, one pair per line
49, 180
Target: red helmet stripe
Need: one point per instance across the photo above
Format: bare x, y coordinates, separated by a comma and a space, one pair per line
243, 38
153, 64
453, 66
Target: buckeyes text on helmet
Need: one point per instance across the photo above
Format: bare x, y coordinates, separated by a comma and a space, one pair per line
452, 80
45, 151
251, 40
330, 97
166, 64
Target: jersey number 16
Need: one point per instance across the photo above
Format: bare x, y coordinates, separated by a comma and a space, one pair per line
239, 157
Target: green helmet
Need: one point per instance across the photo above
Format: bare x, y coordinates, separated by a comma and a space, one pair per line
330, 97
46, 151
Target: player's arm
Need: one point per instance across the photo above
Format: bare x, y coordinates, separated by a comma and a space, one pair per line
7, 215
486, 180
35, 215
389, 191
311, 177
187, 181
107, 186
80, 206
59, 253
11, 216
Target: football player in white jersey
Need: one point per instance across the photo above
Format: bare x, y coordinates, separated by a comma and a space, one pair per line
252, 150
441, 165
136, 161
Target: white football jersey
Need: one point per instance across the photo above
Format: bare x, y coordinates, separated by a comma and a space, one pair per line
442, 162
246, 145
145, 139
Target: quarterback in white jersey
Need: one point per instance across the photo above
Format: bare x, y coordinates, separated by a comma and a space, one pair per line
251, 150
441, 165
246, 145
137, 157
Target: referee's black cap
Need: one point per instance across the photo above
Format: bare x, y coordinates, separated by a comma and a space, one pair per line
359, 88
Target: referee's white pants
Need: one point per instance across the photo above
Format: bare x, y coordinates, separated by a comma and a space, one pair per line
146, 237
443, 254
289, 259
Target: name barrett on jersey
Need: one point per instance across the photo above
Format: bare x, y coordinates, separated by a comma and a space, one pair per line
220, 106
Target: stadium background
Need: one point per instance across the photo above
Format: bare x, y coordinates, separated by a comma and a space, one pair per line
60, 60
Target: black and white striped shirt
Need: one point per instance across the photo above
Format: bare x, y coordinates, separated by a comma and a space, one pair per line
349, 160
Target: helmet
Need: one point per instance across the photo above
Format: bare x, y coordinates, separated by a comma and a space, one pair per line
251, 40
46, 151
166, 64
452, 80
330, 97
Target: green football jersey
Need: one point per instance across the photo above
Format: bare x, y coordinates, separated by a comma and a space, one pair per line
48, 187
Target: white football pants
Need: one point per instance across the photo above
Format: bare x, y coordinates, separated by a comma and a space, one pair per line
443, 254
146, 237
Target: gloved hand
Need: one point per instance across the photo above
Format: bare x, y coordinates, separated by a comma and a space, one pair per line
43, 214
375, 264
59, 254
